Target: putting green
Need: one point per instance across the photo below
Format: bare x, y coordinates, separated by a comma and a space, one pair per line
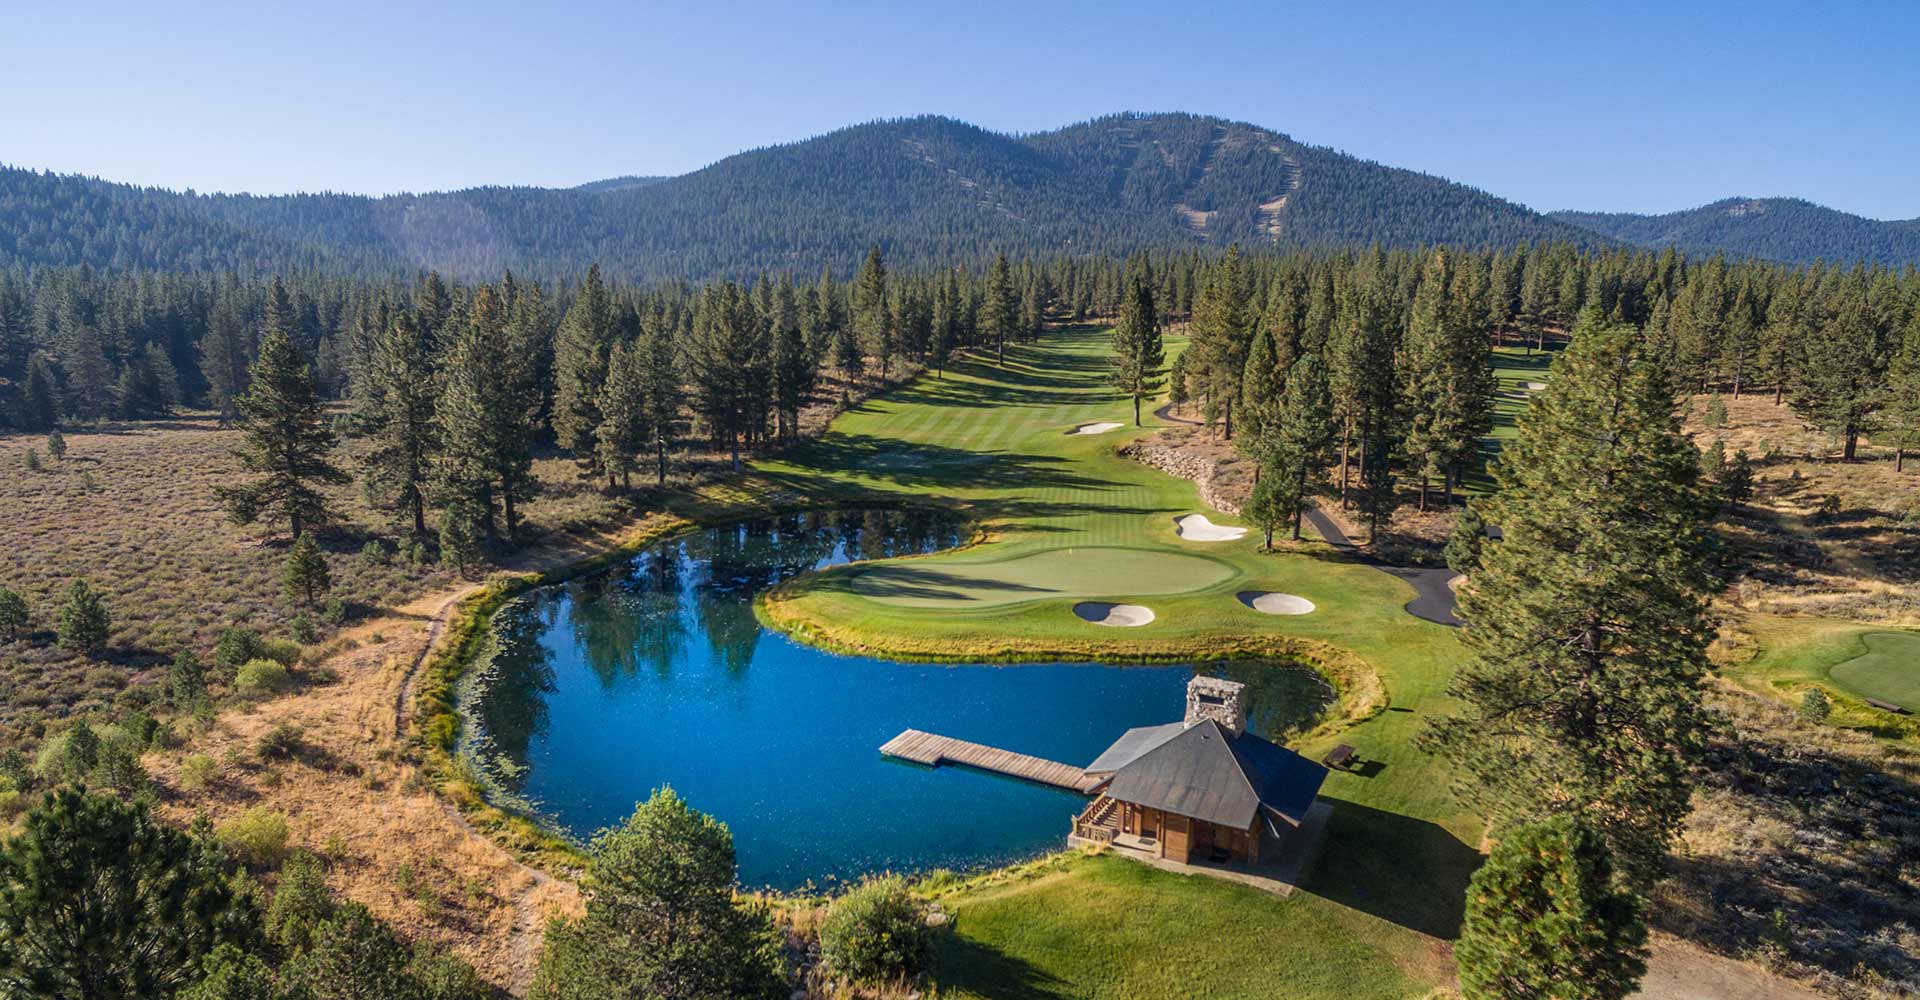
1053, 573
1888, 671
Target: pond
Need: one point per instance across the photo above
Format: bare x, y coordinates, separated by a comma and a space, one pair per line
657, 673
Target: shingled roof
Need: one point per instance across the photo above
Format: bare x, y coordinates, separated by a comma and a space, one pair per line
1206, 772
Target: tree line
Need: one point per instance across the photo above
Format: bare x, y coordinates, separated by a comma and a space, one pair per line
1353, 374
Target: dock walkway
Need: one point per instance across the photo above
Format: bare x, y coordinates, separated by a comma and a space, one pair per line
933, 750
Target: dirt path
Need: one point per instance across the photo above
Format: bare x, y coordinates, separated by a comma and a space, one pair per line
529, 918
1680, 971
403, 700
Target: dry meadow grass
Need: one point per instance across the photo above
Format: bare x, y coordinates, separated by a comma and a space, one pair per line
1820, 536
351, 793
131, 509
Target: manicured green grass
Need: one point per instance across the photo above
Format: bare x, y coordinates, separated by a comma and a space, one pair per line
1851, 662
1071, 572
1514, 368
1109, 928
1889, 670
1068, 515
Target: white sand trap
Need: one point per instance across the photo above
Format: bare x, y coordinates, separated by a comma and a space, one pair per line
1536, 386
1196, 528
1272, 602
1115, 615
1099, 428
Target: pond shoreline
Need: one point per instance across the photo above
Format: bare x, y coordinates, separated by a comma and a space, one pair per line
445, 731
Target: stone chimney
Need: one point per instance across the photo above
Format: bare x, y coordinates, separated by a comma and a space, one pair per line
1220, 700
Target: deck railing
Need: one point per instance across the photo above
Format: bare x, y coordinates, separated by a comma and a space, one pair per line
1095, 822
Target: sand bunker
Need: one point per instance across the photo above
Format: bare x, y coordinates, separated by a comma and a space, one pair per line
1099, 428
1196, 528
1116, 615
1272, 602
1536, 386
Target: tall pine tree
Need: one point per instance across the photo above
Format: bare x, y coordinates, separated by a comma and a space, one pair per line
1138, 353
288, 443
1587, 624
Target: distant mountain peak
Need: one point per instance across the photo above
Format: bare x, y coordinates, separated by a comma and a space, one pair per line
927, 189
1789, 230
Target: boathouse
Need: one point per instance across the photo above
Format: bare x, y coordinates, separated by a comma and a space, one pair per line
1203, 789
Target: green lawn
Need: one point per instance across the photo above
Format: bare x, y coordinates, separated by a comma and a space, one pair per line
1067, 519
1113, 929
1515, 369
1851, 661
1889, 670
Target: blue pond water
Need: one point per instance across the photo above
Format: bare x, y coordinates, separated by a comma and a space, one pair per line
657, 673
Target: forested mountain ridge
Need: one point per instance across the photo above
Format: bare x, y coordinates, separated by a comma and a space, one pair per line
1789, 230
927, 190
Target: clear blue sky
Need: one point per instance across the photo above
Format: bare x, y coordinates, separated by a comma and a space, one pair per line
1617, 106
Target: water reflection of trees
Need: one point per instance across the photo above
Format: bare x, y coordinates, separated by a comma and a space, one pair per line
1282, 698
629, 619
514, 709
641, 614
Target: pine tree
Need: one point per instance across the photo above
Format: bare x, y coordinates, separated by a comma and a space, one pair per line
39, 408
1545, 919
728, 359
623, 430
56, 444
1839, 387
288, 442
84, 622
460, 531
662, 918
107, 902
1303, 443
432, 308
1261, 386
1222, 333
580, 368
484, 416
1425, 375
304, 576
401, 394
1587, 624
1466, 541
873, 326
1138, 353
947, 310
661, 376
794, 374
1000, 313
1901, 415
224, 360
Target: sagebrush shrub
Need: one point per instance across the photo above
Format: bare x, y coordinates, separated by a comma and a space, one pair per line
876, 933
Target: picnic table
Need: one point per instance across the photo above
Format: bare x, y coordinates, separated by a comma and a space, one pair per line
1341, 757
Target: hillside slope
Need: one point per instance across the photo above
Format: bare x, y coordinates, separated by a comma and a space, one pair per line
925, 189
1781, 229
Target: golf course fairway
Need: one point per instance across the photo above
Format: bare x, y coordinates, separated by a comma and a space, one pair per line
1064, 519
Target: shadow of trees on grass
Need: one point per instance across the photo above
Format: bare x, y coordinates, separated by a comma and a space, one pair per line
1407, 871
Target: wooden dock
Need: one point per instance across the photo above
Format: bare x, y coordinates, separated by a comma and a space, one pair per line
934, 750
